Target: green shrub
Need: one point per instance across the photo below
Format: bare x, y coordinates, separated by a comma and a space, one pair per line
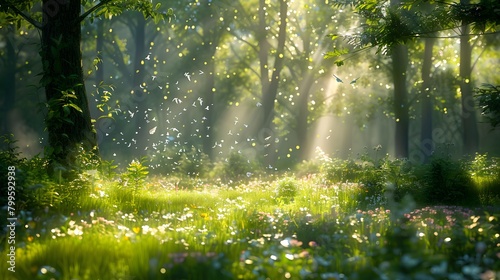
485, 172
190, 162
236, 167
194, 163
107, 169
367, 173
306, 168
446, 181
286, 190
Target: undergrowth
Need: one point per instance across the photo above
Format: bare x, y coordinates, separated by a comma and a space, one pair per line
346, 219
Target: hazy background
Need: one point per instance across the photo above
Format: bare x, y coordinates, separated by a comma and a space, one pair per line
162, 90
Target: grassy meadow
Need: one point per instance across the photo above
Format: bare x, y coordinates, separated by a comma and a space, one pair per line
327, 219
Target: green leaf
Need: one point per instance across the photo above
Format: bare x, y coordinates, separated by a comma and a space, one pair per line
339, 63
333, 36
74, 106
336, 53
170, 14
66, 110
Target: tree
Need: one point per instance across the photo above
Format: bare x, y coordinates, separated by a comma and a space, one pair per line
402, 23
488, 97
385, 27
399, 56
68, 119
8, 78
469, 119
426, 93
270, 76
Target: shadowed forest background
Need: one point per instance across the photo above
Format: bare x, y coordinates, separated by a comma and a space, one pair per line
251, 139
220, 78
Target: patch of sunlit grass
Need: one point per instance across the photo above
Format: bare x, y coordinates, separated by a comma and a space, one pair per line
243, 231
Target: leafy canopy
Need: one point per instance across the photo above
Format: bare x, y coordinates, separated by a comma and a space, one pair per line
384, 25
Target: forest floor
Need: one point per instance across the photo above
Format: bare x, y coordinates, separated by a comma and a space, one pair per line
278, 228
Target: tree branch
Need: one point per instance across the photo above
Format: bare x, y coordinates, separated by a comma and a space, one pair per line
93, 9
29, 19
245, 41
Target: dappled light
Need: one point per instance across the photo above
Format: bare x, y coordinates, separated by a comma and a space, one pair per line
223, 139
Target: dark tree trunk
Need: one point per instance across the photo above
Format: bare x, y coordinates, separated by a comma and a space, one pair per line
8, 80
68, 119
399, 65
469, 119
426, 141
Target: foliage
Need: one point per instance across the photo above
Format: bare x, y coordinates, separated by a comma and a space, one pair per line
485, 171
236, 232
372, 175
9, 156
488, 97
286, 190
104, 105
445, 181
386, 25
186, 162
193, 163
59, 115
107, 169
134, 178
483, 15
306, 168
235, 167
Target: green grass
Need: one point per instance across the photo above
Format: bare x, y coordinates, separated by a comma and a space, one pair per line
348, 220
217, 231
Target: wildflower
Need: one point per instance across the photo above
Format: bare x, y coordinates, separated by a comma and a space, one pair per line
304, 254
488, 275
313, 244
204, 216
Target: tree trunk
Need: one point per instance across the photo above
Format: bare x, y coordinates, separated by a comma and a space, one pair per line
264, 47
469, 121
399, 65
8, 80
68, 119
302, 116
426, 141
270, 85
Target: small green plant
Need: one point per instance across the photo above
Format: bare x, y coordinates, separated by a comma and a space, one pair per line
286, 190
107, 169
135, 177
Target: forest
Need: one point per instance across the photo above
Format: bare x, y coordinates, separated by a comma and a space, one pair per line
256, 139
